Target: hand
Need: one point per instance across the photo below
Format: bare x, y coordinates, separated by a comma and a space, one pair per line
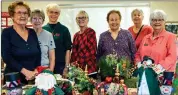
65, 71
28, 74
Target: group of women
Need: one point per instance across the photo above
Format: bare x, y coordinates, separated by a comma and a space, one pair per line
23, 49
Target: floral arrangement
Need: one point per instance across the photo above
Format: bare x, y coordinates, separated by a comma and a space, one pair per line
82, 81
108, 64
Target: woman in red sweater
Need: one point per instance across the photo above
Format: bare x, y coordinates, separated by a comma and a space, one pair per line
138, 30
84, 44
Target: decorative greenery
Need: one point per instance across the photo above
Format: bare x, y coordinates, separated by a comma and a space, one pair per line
82, 82
175, 82
108, 65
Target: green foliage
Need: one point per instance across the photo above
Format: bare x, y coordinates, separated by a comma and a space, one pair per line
175, 82
82, 82
109, 63
131, 82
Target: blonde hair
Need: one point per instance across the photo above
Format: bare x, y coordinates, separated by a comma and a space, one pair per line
83, 12
52, 6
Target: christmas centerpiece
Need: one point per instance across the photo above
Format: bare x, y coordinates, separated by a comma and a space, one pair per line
82, 83
45, 84
115, 86
108, 64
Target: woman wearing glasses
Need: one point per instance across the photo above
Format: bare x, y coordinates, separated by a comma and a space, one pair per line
161, 47
45, 39
84, 44
20, 48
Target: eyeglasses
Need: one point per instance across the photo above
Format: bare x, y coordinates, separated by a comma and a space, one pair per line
81, 18
53, 12
157, 20
37, 19
21, 13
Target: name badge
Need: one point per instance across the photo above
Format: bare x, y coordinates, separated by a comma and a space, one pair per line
145, 44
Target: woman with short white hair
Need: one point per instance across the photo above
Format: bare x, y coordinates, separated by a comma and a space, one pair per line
161, 47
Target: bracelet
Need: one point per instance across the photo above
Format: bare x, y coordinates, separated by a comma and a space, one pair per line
67, 66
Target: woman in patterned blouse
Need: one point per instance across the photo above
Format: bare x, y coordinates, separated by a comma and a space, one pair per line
116, 40
84, 44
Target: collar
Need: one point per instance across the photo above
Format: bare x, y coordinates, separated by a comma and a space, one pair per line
161, 34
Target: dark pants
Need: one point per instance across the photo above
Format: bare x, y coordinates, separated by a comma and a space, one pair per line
59, 67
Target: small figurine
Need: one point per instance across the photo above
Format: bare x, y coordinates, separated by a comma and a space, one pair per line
148, 83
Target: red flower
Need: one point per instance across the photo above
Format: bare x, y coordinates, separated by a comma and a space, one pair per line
50, 91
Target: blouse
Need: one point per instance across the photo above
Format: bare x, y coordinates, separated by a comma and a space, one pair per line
84, 49
123, 45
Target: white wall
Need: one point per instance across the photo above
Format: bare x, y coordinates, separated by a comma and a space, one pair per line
169, 7
70, 14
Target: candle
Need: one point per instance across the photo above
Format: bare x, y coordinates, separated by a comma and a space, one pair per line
117, 68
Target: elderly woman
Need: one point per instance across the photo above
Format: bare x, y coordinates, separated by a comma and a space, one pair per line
138, 30
160, 46
116, 40
20, 48
45, 39
84, 44
61, 37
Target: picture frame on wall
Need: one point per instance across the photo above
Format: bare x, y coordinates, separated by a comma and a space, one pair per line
172, 26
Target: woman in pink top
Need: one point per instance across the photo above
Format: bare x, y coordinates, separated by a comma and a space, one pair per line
137, 18
159, 45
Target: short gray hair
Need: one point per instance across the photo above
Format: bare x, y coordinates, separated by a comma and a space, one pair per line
158, 14
38, 12
52, 6
139, 10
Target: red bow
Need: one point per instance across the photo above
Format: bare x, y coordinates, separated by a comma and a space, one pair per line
41, 68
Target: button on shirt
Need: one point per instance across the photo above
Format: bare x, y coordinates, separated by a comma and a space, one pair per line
46, 42
162, 50
18, 53
123, 45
